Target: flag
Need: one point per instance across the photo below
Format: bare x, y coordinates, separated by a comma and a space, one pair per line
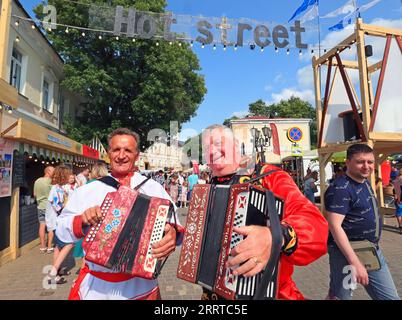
348, 19
310, 14
275, 139
347, 8
341, 24
305, 6
368, 5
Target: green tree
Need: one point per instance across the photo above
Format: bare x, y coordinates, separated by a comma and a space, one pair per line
226, 122
258, 108
297, 108
133, 84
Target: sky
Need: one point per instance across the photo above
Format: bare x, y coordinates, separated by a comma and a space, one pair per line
234, 79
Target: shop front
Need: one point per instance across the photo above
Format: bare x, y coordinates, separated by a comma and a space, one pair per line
31, 148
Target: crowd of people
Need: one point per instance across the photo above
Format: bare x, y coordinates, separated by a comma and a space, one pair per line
179, 185
52, 192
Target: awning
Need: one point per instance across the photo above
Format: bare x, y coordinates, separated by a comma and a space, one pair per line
41, 141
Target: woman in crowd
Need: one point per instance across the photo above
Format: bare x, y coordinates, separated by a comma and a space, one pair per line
174, 188
57, 201
183, 195
99, 170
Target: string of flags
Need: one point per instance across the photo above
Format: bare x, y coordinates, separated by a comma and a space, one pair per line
309, 10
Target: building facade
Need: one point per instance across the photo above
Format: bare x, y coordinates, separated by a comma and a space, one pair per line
32, 107
292, 136
161, 156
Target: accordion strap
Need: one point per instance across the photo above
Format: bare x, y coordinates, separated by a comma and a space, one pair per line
262, 176
141, 184
112, 182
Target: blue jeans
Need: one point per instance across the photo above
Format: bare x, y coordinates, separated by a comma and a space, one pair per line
381, 285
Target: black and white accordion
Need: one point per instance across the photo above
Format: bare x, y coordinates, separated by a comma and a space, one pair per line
213, 212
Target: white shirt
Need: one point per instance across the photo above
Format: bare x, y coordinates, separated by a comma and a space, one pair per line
91, 195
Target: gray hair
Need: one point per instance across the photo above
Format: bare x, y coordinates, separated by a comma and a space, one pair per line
124, 132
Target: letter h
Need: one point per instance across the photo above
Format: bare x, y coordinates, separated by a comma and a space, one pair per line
120, 20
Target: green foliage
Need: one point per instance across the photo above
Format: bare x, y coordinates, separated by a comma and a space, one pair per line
132, 84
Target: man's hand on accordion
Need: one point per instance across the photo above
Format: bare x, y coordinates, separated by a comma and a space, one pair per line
253, 251
91, 216
167, 244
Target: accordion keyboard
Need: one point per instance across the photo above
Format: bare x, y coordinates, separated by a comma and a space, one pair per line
157, 234
247, 286
94, 229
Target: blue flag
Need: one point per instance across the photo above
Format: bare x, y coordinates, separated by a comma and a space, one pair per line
341, 24
307, 4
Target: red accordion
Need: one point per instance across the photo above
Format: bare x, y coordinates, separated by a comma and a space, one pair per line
131, 223
208, 240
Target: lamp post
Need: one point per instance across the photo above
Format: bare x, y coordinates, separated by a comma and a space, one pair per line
261, 141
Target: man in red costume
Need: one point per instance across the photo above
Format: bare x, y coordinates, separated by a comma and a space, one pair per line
304, 228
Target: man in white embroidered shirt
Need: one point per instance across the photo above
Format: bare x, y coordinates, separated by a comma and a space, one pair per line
95, 281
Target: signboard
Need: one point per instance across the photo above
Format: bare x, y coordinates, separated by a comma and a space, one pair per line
6, 160
90, 152
295, 134
296, 150
18, 170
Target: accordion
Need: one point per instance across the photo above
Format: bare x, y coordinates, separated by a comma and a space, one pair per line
131, 223
208, 239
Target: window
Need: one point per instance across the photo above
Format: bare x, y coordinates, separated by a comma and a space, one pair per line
46, 96
16, 67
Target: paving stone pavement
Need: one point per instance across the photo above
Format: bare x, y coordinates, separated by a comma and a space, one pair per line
23, 278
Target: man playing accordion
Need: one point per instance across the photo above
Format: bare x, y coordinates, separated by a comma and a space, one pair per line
304, 229
83, 210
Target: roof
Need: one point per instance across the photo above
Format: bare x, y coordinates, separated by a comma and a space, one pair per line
264, 118
39, 30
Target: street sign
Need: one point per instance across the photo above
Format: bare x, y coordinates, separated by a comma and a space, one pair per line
295, 134
296, 150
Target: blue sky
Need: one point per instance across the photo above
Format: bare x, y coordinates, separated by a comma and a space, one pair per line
236, 78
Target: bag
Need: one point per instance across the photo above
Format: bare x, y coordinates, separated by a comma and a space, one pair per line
314, 189
366, 251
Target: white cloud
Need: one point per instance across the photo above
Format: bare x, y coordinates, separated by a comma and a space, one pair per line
305, 79
287, 93
268, 87
240, 114
279, 78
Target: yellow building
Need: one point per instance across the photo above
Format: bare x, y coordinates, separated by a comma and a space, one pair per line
292, 136
160, 156
32, 107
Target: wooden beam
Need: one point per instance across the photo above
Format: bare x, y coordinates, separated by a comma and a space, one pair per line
317, 86
386, 136
338, 147
374, 67
363, 75
323, 160
379, 31
346, 63
341, 46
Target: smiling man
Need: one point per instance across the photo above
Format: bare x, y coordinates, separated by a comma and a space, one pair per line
353, 215
82, 210
303, 227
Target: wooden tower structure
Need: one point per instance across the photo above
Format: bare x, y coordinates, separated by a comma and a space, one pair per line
360, 101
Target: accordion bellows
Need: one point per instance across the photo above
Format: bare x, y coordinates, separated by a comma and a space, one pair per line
131, 223
209, 238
